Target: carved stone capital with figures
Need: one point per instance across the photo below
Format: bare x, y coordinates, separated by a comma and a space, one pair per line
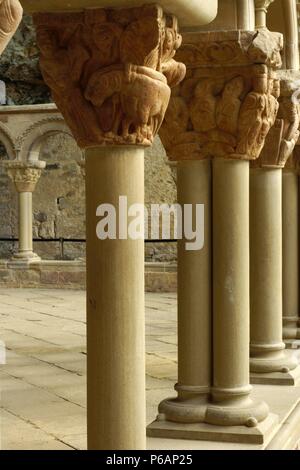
293, 163
228, 102
25, 175
110, 71
284, 135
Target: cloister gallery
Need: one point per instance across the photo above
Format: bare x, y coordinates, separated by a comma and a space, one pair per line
188, 104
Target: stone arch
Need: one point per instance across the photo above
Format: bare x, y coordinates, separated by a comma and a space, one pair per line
282, 17
31, 141
8, 141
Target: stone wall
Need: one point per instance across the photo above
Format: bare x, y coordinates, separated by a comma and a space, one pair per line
58, 202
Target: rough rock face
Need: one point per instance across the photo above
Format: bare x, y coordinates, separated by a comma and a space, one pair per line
59, 199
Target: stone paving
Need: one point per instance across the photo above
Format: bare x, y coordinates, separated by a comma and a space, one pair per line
43, 403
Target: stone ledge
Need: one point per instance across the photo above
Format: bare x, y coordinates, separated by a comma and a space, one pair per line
61, 274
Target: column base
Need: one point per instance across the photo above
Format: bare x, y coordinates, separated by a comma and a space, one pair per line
188, 407
25, 258
208, 432
291, 377
225, 407
280, 362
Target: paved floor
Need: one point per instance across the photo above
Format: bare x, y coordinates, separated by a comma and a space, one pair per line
43, 403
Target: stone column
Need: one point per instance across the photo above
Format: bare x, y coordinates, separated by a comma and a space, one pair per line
270, 362
110, 72
217, 121
25, 176
290, 249
194, 303
261, 10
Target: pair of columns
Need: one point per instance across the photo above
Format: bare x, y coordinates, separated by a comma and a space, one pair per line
290, 205
217, 122
25, 176
270, 361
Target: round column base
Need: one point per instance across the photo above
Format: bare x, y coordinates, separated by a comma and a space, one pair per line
189, 407
283, 362
26, 257
234, 407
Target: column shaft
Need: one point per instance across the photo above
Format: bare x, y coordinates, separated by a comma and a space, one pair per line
25, 223
231, 275
115, 306
194, 283
290, 245
231, 388
194, 303
267, 347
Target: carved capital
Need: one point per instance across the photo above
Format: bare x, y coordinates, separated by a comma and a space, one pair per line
25, 175
284, 135
262, 5
10, 18
293, 163
110, 71
227, 103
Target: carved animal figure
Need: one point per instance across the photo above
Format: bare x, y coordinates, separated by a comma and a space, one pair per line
144, 97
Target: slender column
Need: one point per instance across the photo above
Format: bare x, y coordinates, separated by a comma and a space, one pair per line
25, 176
261, 10
110, 78
194, 303
231, 296
268, 354
218, 116
290, 225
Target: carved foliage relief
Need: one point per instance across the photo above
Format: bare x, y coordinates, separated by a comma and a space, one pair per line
25, 179
110, 71
223, 111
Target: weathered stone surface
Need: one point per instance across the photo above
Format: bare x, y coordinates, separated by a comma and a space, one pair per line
19, 68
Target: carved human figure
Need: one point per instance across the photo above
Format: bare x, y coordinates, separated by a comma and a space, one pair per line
252, 128
10, 17
228, 107
174, 71
204, 104
290, 113
106, 39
